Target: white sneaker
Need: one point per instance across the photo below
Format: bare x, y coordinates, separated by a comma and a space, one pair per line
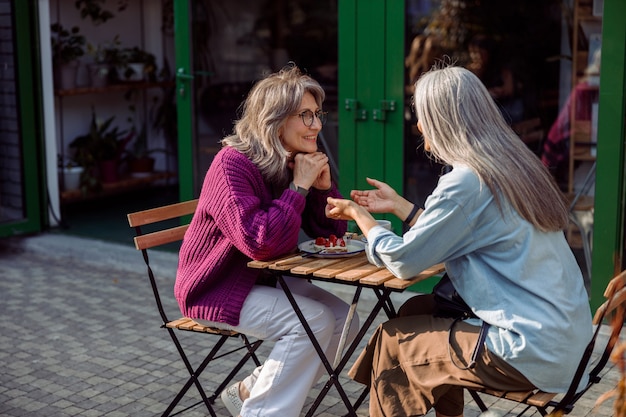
232, 401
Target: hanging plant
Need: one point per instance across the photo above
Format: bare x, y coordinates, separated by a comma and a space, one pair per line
67, 44
95, 11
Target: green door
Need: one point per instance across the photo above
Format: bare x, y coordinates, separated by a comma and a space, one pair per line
21, 210
370, 102
223, 48
184, 85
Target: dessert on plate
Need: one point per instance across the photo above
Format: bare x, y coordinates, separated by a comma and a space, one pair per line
332, 244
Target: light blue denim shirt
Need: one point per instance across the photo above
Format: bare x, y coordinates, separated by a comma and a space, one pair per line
525, 283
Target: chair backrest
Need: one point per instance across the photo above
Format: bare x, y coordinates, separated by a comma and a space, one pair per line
614, 307
581, 200
162, 235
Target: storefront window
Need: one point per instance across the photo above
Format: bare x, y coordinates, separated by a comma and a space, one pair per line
514, 47
236, 43
541, 62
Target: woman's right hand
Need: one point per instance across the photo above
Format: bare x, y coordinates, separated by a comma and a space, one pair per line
383, 199
311, 168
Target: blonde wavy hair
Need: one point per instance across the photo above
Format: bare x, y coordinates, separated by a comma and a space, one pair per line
263, 113
464, 125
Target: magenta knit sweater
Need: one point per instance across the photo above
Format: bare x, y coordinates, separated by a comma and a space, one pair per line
238, 220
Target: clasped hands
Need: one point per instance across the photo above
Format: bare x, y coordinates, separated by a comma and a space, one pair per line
311, 170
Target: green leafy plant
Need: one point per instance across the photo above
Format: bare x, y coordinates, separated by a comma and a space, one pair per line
121, 58
67, 44
139, 152
101, 143
99, 52
94, 10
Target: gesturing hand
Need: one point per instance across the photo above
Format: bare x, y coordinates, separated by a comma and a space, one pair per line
381, 200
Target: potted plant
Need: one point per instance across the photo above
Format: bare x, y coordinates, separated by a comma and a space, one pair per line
70, 173
131, 63
99, 70
68, 45
139, 155
99, 150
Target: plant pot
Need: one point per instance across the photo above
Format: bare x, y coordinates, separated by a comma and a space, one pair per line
130, 72
141, 167
65, 76
70, 178
108, 171
98, 75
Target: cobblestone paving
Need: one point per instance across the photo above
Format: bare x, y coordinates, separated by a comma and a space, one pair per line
80, 336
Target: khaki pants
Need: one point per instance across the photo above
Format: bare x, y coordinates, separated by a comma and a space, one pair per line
410, 366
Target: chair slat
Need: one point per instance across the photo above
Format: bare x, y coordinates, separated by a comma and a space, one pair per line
615, 284
161, 237
494, 393
540, 399
519, 396
618, 299
185, 323
144, 217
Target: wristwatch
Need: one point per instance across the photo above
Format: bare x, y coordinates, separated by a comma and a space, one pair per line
302, 191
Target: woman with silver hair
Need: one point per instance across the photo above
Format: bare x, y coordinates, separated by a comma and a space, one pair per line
268, 181
496, 221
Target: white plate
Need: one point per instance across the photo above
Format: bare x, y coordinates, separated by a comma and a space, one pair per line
354, 248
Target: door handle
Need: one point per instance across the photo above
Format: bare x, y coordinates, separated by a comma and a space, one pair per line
182, 76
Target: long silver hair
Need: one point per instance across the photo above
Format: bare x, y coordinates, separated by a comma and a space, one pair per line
464, 125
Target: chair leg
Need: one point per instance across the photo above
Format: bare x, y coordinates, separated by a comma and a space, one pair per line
479, 401
212, 355
193, 374
251, 348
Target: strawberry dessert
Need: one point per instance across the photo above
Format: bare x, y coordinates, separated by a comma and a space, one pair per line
331, 245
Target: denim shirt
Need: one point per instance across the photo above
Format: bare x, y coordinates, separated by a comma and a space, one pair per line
524, 282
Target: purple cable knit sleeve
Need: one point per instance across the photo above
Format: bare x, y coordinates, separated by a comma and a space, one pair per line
315, 223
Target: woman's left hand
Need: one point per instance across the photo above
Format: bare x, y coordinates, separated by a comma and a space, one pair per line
323, 181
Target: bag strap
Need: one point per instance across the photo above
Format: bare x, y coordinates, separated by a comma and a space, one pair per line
482, 335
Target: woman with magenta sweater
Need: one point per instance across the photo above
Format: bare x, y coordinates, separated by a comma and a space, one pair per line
267, 182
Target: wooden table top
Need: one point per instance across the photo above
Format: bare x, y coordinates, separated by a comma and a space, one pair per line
354, 269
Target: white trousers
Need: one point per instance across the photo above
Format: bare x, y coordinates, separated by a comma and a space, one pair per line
280, 386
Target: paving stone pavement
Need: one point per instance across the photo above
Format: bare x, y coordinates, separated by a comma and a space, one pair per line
80, 336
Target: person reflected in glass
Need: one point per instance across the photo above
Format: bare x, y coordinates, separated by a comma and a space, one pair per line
580, 105
496, 221
498, 76
267, 182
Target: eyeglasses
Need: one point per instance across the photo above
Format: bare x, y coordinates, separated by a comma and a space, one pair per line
308, 116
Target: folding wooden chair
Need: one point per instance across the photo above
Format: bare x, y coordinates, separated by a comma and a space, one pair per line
545, 402
164, 235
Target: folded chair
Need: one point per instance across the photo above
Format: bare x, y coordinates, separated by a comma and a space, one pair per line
546, 402
161, 235
581, 205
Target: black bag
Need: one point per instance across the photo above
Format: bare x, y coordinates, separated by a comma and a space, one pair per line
448, 303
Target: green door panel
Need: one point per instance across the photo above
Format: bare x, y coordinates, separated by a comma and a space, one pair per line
371, 80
